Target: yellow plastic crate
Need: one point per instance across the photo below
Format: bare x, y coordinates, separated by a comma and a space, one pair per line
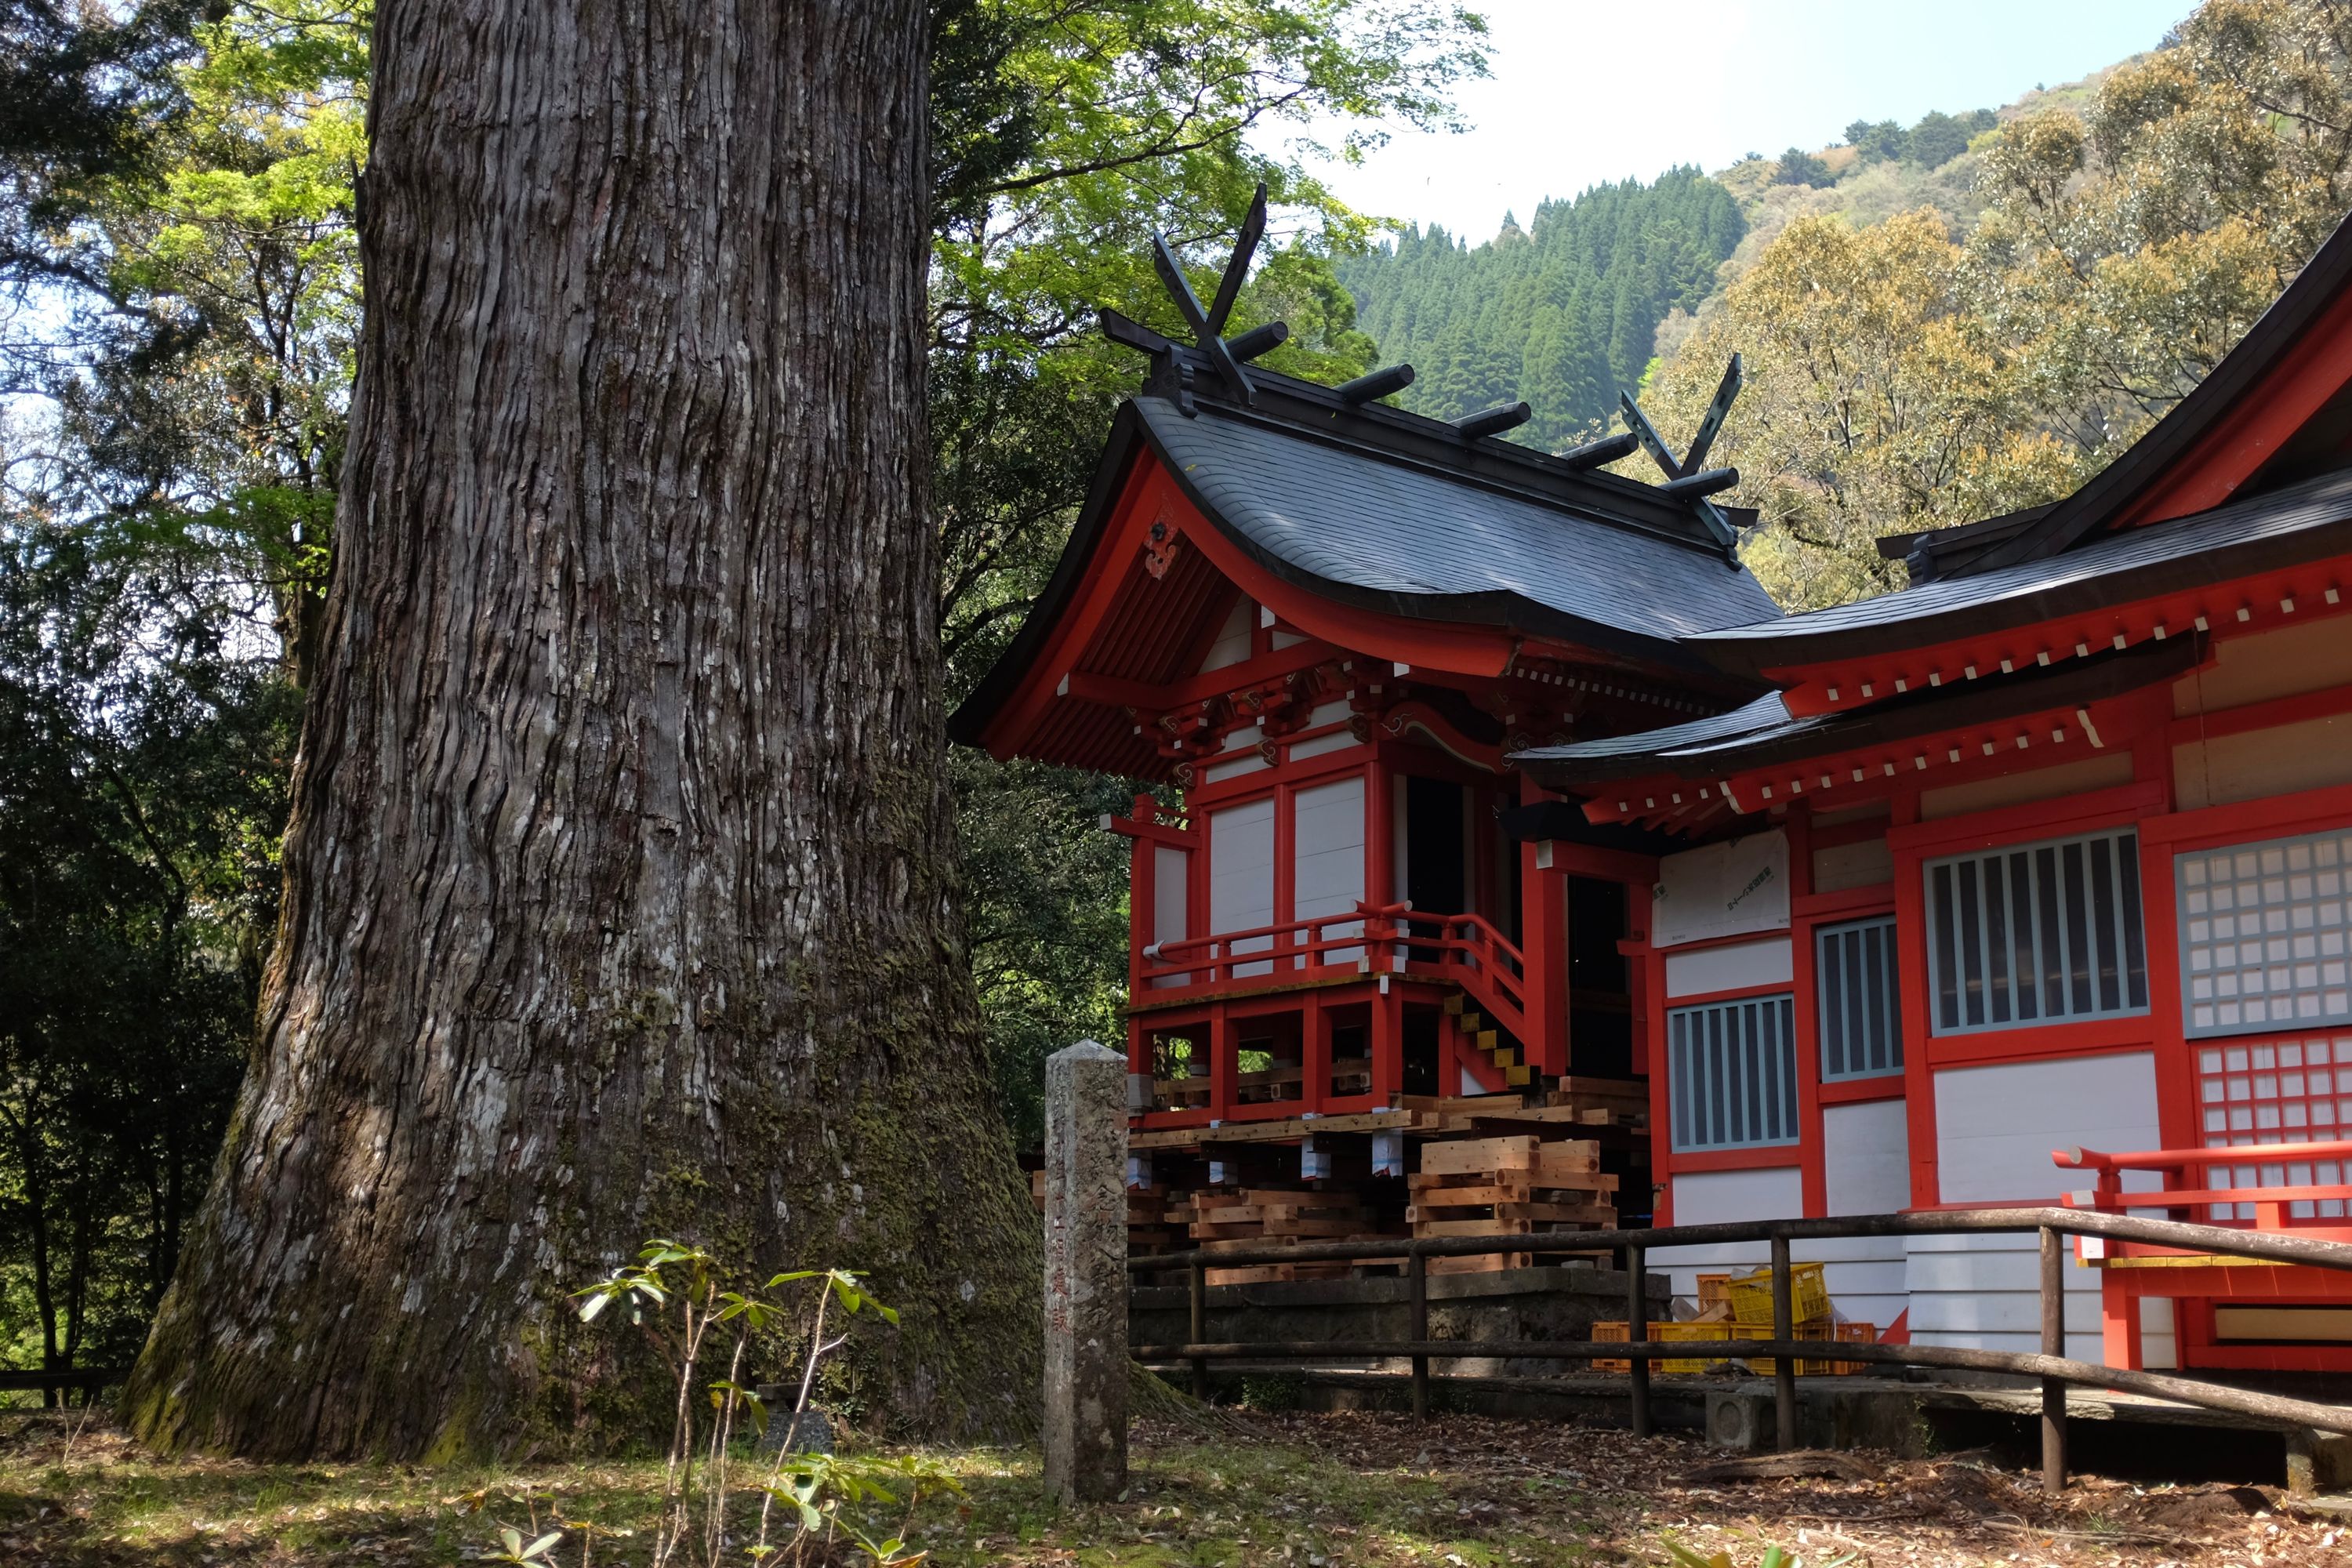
1664, 1335
1821, 1329
1751, 1295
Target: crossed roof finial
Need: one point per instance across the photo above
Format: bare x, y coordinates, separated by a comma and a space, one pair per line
1209, 326
1684, 476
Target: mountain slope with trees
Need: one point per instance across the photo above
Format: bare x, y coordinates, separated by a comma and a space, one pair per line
1561, 314
1925, 370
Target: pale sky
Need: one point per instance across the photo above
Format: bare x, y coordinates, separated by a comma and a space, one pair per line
1583, 91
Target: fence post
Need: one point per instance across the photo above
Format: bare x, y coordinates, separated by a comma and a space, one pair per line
1197, 1278
1416, 1270
2053, 1343
1086, 1274
1784, 1368
1637, 1332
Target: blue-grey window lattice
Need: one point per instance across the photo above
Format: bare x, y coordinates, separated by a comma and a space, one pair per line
2263, 928
1860, 1018
2048, 933
1732, 1070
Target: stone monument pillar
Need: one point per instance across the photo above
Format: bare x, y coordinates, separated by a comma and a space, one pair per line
1086, 1274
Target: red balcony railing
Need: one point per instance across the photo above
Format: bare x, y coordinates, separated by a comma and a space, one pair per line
1370, 939
2288, 1194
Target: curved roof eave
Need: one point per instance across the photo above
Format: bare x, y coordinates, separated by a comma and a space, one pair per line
973, 716
2285, 529
1500, 609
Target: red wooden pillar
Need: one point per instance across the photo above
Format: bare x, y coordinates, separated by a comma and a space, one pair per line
1649, 1060
1388, 1047
1543, 925
1314, 1056
1380, 870
2119, 1326
1917, 1007
1223, 1060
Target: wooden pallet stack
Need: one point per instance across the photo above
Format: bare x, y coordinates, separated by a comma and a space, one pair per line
1516, 1185
1601, 1101
1232, 1219
1157, 1220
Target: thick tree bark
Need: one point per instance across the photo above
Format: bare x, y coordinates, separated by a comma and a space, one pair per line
619, 891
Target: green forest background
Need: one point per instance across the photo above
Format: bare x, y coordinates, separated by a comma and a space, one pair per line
1939, 321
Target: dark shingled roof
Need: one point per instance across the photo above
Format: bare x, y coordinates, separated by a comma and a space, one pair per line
2285, 528
1762, 732
1382, 509
1357, 523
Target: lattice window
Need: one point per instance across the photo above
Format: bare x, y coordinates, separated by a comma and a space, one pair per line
1853, 981
1732, 1073
2288, 1090
2036, 933
2263, 933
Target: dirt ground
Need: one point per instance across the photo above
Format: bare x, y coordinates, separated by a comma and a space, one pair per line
1297, 1490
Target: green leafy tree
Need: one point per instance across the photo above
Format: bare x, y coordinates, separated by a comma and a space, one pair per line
1797, 168
1876, 141
1877, 397
1938, 137
143, 749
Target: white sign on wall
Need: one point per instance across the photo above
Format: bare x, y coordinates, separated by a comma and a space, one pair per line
1723, 890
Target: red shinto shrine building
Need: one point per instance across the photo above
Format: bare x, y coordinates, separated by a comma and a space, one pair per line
1482, 772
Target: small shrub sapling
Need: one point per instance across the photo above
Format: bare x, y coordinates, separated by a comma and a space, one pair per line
676, 1296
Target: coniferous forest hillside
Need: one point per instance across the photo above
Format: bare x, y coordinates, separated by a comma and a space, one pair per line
1562, 313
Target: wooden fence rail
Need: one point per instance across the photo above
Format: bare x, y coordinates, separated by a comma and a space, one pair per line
2051, 1366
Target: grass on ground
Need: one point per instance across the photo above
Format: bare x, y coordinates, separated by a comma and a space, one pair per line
1299, 1492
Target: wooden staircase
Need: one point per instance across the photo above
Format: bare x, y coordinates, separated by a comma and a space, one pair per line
1490, 1039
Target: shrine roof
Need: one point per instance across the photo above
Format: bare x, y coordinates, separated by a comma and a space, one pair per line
1368, 523
1764, 734
2283, 528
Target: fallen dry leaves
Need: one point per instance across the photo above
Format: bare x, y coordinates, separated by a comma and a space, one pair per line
1284, 1491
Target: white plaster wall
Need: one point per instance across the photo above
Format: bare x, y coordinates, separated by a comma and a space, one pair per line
1170, 909
2031, 784
1995, 1129
1336, 741
2278, 761
1996, 1125
1241, 873
1233, 643
2308, 657
1866, 1157
1327, 856
1867, 1169
1765, 963
1867, 864
1983, 1292
1216, 772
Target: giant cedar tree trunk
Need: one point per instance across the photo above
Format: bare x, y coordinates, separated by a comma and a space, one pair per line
619, 887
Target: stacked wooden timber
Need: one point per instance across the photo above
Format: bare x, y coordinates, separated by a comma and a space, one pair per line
1515, 1185
1234, 1219
1157, 1220
1601, 1101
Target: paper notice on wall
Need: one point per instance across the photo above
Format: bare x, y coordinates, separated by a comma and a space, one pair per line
1723, 890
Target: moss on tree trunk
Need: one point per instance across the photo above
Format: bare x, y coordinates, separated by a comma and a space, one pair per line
619, 891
